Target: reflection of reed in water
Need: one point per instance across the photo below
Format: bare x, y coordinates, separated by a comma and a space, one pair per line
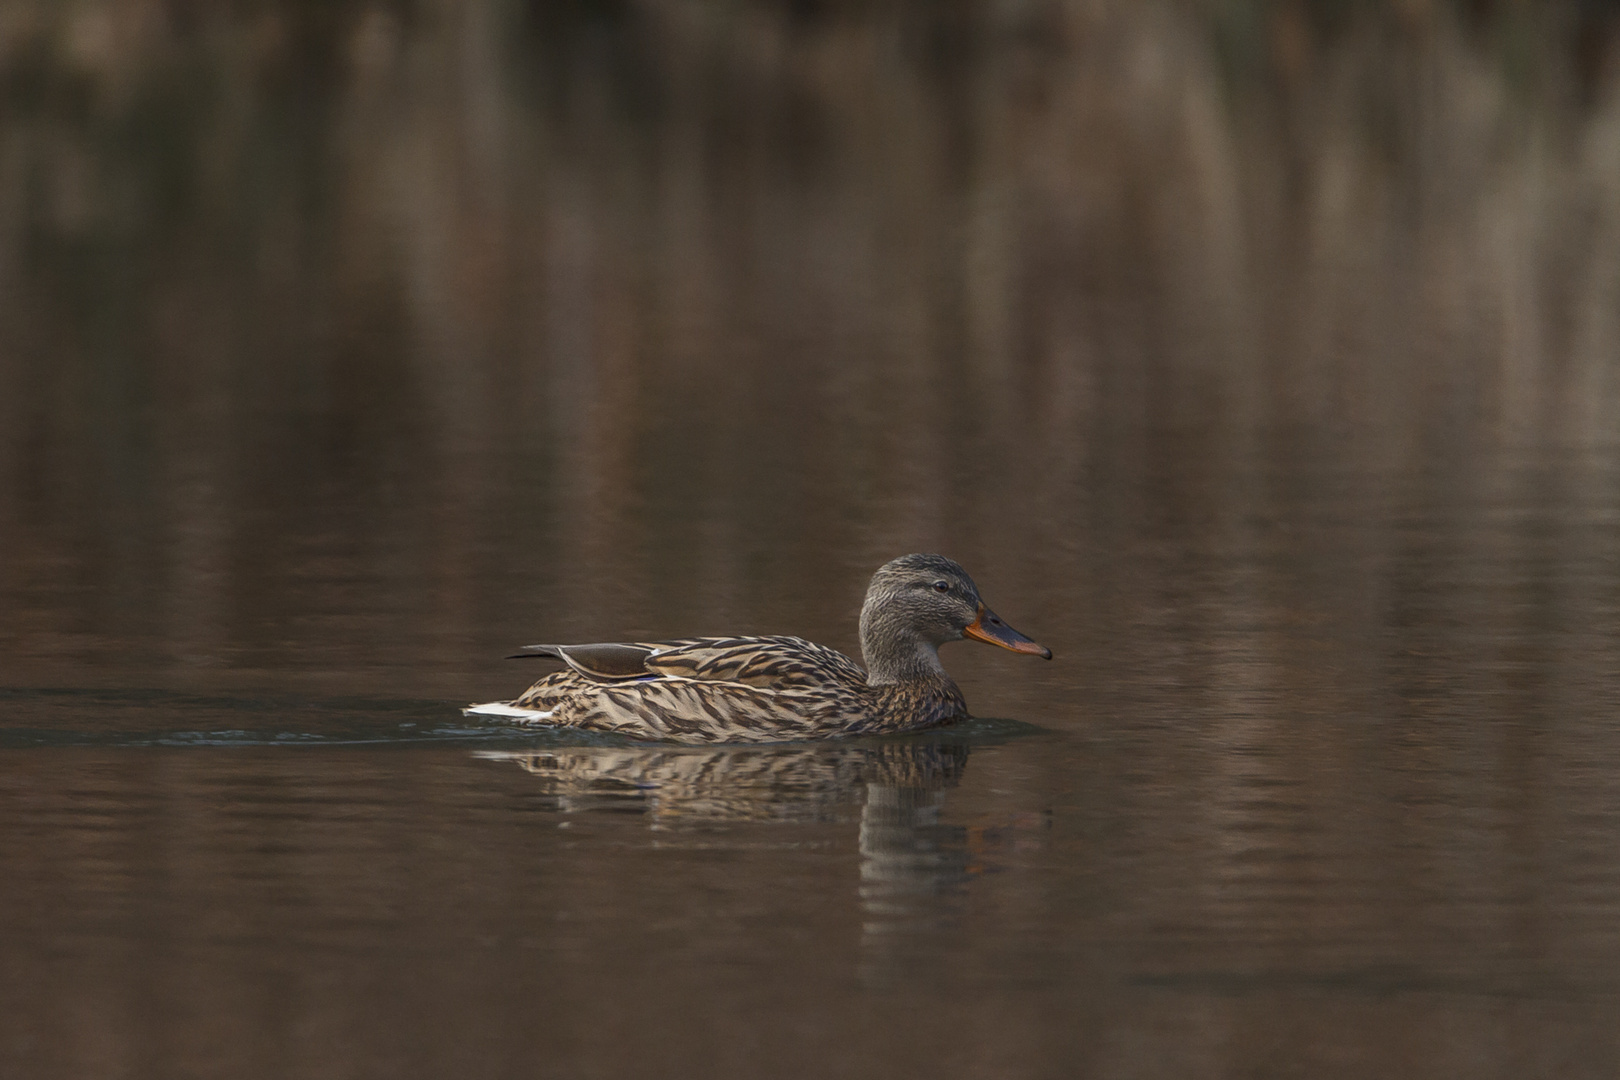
675, 785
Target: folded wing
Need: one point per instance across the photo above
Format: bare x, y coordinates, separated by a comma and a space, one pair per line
770, 663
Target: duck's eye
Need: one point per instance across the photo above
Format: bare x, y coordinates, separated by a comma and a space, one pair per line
942, 586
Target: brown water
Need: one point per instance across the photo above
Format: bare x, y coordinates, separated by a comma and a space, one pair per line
1261, 360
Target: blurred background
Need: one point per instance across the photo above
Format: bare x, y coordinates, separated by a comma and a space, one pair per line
358, 341
1260, 357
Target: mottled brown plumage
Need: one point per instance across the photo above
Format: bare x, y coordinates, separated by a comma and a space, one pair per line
756, 689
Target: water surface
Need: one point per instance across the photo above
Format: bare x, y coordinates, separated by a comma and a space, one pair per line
1260, 360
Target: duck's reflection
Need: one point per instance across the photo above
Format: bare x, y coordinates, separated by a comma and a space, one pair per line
913, 869
908, 858
676, 786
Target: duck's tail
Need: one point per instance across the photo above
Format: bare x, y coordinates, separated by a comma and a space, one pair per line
507, 711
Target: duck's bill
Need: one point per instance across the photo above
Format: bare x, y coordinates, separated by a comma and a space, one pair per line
989, 628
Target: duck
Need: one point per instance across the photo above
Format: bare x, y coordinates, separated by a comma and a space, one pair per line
777, 688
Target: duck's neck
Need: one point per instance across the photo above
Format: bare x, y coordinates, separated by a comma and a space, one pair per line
901, 661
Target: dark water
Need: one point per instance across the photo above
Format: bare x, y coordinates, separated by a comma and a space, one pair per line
1262, 360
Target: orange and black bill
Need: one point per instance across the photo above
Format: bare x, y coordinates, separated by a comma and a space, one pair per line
989, 627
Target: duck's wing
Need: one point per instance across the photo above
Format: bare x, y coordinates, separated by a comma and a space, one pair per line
770, 663
607, 661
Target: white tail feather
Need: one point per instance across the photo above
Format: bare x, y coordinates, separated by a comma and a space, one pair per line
501, 708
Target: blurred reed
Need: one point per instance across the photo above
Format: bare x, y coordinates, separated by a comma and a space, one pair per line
333, 318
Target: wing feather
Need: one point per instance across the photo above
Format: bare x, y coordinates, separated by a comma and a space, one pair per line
769, 663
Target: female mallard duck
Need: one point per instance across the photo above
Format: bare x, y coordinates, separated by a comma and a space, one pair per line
754, 689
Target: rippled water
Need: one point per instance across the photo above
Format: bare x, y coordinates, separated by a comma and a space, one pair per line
1260, 360
1339, 829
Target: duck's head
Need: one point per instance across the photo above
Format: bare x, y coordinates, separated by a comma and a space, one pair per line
917, 603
